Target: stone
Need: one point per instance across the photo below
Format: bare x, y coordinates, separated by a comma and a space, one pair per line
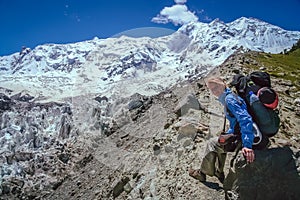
5, 188
119, 187
64, 157
127, 188
187, 130
186, 103
180, 151
169, 149
134, 104
156, 149
5, 102
101, 98
187, 142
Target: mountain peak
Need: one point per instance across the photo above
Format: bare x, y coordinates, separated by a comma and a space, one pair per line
216, 21
244, 22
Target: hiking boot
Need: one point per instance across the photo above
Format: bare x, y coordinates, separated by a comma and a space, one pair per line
220, 176
197, 174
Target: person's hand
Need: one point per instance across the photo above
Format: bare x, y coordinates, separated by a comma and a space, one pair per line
249, 154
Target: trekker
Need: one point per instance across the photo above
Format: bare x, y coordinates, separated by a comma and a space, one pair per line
241, 124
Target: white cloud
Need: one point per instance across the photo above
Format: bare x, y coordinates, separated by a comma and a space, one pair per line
177, 14
180, 1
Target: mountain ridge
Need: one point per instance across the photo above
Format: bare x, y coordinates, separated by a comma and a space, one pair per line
103, 65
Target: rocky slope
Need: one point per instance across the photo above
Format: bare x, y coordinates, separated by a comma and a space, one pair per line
155, 151
105, 119
142, 151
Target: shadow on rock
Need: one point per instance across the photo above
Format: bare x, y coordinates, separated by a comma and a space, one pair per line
212, 185
273, 175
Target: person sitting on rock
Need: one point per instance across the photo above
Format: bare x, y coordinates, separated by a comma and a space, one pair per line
241, 124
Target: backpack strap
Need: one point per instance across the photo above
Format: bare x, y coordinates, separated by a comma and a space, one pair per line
224, 125
236, 152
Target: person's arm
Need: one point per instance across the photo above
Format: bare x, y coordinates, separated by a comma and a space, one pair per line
246, 126
241, 114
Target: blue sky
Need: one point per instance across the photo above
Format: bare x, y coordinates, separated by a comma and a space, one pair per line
33, 22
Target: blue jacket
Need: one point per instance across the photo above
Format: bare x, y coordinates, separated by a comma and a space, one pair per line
239, 114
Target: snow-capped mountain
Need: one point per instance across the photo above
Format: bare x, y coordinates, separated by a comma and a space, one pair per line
219, 40
123, 66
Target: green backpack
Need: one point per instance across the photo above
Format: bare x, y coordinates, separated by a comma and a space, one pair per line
261, 100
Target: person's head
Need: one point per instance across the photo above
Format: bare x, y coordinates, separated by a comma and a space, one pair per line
216, 85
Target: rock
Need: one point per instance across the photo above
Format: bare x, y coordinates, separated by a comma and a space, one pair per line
283, 142
5, 102
64, 157
26, 98
169, 149
29, 169
81, 163
156, 149
286, 83
17, 182
65, 127
297, 105
127, 188
5, 188
188, 102
180, 151
23, 156
134, 104
57, 183
187, 142
168, 95
101, 98
236, 71
187, 130
273, 175
67, 109
119, 187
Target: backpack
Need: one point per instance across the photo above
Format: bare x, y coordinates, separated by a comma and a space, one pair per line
263, 111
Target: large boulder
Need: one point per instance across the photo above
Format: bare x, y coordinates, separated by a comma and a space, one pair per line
273, 175
186, 103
